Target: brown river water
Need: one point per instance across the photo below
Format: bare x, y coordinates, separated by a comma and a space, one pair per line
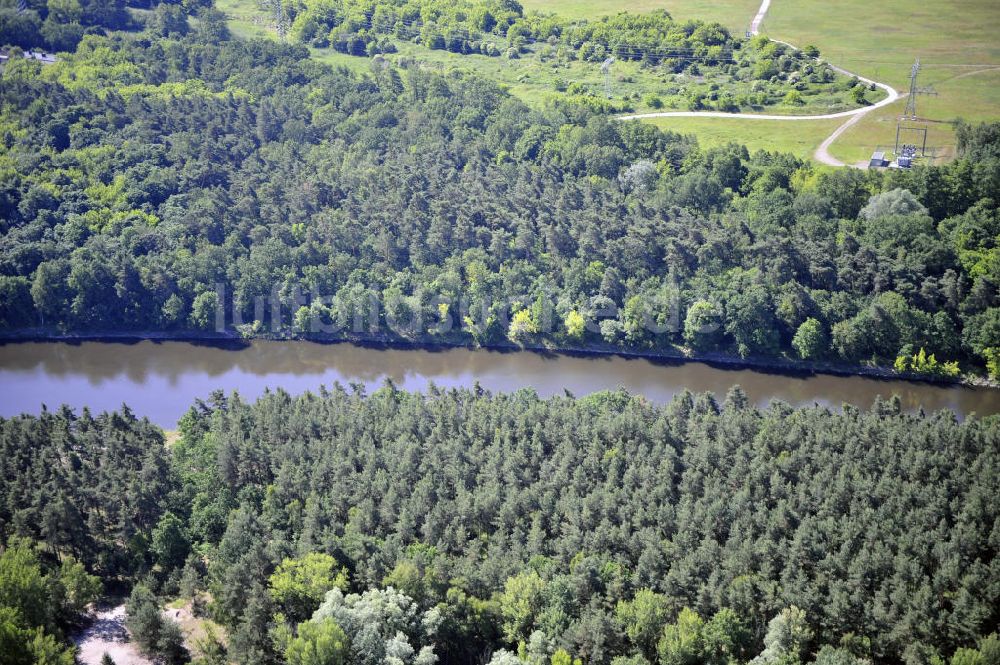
162, 379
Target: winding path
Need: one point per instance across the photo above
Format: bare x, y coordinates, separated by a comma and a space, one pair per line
822, 153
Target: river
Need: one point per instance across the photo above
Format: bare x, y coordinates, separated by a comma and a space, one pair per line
162, 379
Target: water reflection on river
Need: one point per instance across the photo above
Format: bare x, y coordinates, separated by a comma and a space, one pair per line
162, 379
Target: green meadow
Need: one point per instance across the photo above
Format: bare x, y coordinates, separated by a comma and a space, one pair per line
799, 138
955, 40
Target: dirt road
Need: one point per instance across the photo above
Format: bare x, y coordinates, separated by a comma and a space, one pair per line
759, 18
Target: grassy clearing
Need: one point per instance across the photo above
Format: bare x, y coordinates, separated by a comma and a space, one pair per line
195, 628
981, 92
536, 80
245, 19
952, 38
734, 14
799, 138
881, 39
955, 40
543, 73
878, 131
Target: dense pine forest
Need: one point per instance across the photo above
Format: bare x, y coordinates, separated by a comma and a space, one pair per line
464, 527
147, 178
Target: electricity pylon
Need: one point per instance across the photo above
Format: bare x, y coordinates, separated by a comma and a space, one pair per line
606, 68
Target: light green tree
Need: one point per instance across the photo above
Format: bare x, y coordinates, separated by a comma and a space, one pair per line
504, 657
830, 655
173, 310
989, 647
319, 643
634, 319
303, 319
681, 643
385, 626
522, 326
701, 326
45, 649
810, 340
23, 586
561, 657
894, 202
520, 603
787, 634
575, 325
965, 656
80, 587
65, 11
725, 638
643, 619
203, 310
299, 585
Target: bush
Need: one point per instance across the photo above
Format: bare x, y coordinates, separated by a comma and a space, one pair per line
794, 98
921, 363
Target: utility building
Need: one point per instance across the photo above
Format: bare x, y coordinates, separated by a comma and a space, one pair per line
878, 160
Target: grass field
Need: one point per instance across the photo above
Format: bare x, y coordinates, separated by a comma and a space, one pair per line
734, 14
881, 39
244, 18
978, 98
953, 39
534, 80
799, 138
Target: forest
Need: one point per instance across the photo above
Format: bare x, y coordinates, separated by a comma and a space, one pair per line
60, 25
155, 181
461, 526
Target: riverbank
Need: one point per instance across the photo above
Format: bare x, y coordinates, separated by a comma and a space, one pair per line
161, 379
783, 366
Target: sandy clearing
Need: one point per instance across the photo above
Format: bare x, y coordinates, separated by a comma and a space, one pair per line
107, 634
